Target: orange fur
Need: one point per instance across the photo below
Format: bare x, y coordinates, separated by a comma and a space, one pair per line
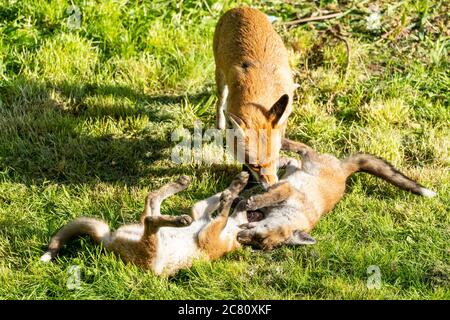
209, 239
307, 192
147, 246
255, 83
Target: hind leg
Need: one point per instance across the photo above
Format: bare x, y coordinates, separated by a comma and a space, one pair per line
222, 94
204, 208
143, 252
153, 223
270, 233
154, 199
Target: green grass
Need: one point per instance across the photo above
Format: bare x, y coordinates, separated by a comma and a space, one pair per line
86, 117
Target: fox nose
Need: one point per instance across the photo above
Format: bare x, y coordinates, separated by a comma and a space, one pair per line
268, 180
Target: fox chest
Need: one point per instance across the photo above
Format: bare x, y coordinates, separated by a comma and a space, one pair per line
177, 248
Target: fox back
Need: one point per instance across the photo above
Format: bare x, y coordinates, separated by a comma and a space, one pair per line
255, 86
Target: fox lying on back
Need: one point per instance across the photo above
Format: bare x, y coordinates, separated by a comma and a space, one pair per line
293, 206
162, 243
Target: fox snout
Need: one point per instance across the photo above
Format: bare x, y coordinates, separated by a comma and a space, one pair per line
268, 180
265, 176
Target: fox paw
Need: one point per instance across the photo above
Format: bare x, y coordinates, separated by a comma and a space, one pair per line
226, 196
239, 182
242, 176
184, 180
185, 220
252, 204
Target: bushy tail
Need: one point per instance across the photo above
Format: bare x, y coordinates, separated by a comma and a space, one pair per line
96, 229
381, 168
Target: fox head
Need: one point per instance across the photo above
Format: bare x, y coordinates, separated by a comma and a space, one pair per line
259, 137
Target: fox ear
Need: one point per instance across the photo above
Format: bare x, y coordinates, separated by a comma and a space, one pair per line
236, 122
277, 113
300, 238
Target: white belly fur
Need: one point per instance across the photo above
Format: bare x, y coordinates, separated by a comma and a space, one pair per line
307, 184
177, 248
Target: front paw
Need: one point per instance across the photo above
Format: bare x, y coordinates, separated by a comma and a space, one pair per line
242, 177
252, 204
185, 220
184, 180
226, 196
239, 182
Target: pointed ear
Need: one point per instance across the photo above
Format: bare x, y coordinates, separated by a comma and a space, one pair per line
278, 114
300, 238
236, 122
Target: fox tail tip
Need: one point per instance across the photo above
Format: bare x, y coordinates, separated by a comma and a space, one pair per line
427, 193
46, 257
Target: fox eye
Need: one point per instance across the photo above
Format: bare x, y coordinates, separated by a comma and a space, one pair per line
255, 167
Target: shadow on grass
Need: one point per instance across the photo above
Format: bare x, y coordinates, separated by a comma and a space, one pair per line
43, 139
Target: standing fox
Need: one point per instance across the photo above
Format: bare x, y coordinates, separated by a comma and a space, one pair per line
161, 243
254, 87
293, 206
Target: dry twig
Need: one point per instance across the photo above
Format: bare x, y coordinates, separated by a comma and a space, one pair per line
310, 19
